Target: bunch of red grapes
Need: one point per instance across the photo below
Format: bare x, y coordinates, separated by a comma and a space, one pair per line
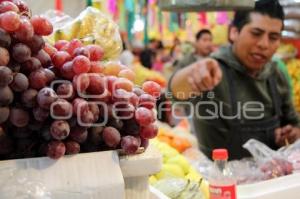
63, 100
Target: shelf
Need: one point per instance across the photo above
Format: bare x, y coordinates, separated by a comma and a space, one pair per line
205, 5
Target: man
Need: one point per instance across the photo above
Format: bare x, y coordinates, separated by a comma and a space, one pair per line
147, 56
239, 93
203, 48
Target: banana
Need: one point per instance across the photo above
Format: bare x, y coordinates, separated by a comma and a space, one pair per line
60, 35
75, 29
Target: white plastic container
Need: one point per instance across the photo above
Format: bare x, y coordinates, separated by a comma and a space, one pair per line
287, 187
99, 175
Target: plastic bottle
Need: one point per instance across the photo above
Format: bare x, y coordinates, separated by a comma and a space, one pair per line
222, 184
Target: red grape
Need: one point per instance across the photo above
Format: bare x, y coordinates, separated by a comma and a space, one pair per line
72, 45
128, 74
48, 48
21, 52
8, 6
111, 137
65, 91
41, 25
49, 74
60, 130
97, 84
10, 21
37, 43
46, 97
152, 88
31, 65
93, 107
125, 111
38, 79
61, 108
67, 70
79, 134
44, 58
40, 114
81, 64
147, 101
60, 44
134, 99
4, 114
80, 105
123, 83
96, 52
72, 147
28, 98
18, 117
59, 58
56, 149
20, 83
144, 116
149, 132
81, 51
138, 91
111, 83
96, 67
6, 96
25, 32
120, 95
6, 76
4, 57
23, 8
144, 143
5, 39
81, 83
129, 144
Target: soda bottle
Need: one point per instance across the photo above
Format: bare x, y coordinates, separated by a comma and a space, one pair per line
222, 185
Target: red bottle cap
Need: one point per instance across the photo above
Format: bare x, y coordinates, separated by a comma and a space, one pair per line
220, 154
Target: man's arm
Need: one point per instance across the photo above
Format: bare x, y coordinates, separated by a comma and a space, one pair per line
198, 77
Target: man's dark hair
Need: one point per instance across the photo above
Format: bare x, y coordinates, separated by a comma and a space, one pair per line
271, 8
201, 33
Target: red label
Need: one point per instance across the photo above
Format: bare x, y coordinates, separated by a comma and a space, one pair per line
222, 192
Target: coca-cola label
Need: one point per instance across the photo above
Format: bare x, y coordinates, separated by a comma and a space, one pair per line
222, 192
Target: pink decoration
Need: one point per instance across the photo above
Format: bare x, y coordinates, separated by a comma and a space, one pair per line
112, 6
222, 18
203, 18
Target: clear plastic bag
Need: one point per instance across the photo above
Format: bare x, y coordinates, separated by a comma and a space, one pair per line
16, 185
272, 163
91, 27
292, 152
246, 171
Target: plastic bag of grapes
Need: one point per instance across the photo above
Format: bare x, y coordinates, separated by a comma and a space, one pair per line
91, 27
274, 164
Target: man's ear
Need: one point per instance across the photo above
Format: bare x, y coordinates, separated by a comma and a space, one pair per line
233, 33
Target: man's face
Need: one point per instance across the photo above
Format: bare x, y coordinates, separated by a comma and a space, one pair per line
257, 41
204, 45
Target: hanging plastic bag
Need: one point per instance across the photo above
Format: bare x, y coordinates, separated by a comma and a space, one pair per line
91, 27
273, 164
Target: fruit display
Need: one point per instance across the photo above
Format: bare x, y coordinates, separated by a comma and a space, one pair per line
176, 166
57, 100
293, 67
92, 27
144, 74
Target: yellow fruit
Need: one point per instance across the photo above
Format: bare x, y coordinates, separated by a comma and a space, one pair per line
75, 29
193, 175
152, 180
181, 161
170, 170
